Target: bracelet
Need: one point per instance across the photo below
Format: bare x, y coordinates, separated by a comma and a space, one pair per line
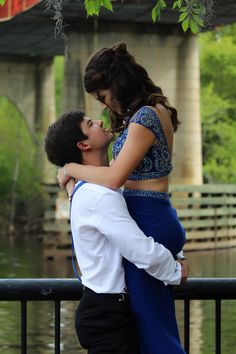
64, 171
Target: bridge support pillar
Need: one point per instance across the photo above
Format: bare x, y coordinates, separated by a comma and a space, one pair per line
45, 110
73, 89
29, 84
188, 141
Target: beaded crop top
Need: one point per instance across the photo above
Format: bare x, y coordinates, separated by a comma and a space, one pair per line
157, 161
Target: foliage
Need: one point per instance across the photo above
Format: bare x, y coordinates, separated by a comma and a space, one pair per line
20, 191
93, 6
193, 13
218, 99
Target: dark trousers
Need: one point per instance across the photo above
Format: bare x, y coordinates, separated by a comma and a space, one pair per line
105, 324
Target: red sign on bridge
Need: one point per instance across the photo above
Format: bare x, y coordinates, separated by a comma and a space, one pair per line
13, 7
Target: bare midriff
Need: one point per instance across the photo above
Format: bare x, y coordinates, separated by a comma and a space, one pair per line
158, 184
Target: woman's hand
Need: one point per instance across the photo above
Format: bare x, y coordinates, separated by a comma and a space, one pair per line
185, 270
62, 176
70, 185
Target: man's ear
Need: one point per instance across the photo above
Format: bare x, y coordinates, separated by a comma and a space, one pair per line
81, 145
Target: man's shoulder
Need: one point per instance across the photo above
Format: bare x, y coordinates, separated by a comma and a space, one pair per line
90, 197
97, 190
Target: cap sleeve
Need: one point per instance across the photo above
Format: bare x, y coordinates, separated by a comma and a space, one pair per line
148, 118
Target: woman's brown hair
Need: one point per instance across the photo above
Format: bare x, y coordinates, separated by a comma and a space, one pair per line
115, 69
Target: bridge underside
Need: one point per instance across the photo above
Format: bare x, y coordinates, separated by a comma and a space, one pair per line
32, 33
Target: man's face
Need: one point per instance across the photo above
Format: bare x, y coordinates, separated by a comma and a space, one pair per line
105, 97
98, 137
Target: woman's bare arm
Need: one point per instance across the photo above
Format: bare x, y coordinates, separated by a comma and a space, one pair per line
138, 142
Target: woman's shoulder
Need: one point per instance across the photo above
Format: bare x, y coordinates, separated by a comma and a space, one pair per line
145, 115
156, 118
146, 110
158, 114
156, 111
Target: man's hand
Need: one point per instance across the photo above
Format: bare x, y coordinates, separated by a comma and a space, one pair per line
185, 270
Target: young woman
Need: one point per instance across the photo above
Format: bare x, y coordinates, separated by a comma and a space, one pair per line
142, 163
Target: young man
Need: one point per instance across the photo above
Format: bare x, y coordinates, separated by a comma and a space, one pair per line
103, 232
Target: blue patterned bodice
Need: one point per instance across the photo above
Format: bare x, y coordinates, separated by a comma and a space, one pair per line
157, 161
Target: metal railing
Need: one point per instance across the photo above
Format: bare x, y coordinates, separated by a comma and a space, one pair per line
58, 290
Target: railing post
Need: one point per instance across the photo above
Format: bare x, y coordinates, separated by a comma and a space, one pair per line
218, 326
186, 325
23, 327
57, 327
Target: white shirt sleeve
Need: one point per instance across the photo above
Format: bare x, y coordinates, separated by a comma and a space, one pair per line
114, 221
180, 255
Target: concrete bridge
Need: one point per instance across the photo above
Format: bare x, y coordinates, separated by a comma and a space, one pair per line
28, 46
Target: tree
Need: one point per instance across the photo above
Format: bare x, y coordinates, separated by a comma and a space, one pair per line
20, 177
218, 99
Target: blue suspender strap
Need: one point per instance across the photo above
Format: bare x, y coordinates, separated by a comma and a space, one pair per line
76, 188
72, 242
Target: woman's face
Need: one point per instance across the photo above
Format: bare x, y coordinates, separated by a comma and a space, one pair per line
105, 97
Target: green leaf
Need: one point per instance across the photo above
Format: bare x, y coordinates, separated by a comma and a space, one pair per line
107, 4
93, 7
183, 16
203, 10
197, 11
180, 2
194, 26
175, 4
185, 24
2, 2
156, 11
97, 6
89, 6
198, 20
163, 4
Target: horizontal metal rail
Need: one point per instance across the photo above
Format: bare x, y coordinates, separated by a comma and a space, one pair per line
48, 289
58, 290
71, 289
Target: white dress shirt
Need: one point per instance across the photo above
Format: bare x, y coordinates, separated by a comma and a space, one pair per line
104, 232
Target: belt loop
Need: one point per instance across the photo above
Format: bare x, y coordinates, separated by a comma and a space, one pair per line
122, 298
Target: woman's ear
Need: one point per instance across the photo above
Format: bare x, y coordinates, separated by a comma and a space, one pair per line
83, 146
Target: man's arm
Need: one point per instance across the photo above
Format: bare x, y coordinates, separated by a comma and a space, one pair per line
114, 221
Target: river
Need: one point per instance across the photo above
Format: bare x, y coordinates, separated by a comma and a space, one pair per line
23, 258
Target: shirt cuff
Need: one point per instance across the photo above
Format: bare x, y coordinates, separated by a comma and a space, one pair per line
176, 279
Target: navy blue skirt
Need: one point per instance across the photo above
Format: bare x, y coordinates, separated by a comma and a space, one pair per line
152, 301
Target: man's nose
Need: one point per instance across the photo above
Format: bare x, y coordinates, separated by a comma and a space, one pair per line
99, 122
